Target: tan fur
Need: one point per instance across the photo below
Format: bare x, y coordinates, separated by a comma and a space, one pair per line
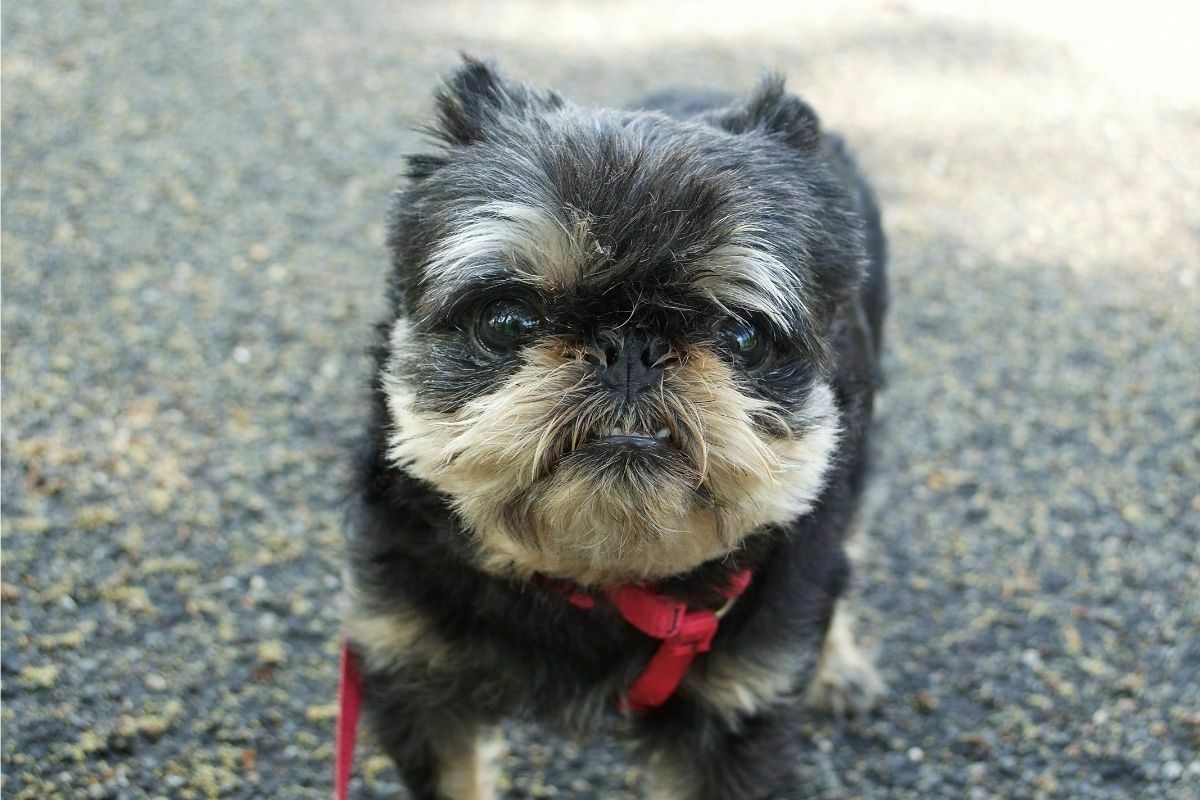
846, 681
739, 275
392, 641
736, 687
666, 781
468, 764
542, 248
504, 459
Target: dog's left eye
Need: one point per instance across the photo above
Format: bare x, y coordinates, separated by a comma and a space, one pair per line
505, 325
745, 341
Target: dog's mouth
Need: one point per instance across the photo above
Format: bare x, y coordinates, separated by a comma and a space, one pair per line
621, 437
618, 446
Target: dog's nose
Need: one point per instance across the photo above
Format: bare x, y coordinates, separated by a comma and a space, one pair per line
630, 364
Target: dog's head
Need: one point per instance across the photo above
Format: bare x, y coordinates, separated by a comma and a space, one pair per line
611, 344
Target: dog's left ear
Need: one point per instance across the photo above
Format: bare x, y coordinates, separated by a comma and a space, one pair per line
771, 110
476, 99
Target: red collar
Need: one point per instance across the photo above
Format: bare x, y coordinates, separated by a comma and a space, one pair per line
685, 632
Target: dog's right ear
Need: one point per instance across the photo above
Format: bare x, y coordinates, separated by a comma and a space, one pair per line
476, 98
775, 112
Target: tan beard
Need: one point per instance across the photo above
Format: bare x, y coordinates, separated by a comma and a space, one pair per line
511, 463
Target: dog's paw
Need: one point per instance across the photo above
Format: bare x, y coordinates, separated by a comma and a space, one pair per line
846, 682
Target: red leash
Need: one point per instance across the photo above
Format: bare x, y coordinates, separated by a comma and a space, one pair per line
349, 702
684, 633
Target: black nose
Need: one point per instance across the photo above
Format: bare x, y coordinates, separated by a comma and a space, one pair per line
631, 364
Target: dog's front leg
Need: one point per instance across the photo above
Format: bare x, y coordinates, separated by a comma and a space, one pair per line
440, 755
730, 735
429, 704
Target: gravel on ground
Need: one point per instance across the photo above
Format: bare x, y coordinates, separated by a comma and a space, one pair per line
193, 206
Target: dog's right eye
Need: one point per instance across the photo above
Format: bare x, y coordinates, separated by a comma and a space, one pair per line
505, 325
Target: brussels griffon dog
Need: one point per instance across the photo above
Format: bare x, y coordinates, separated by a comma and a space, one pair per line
618, 436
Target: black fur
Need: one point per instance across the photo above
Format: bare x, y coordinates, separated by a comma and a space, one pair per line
653, 207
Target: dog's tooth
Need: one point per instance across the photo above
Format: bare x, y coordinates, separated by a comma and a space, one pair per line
616, 432
662, 433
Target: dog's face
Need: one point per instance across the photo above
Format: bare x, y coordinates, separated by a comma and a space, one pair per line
612, 333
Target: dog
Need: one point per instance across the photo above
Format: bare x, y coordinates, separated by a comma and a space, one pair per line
627, 371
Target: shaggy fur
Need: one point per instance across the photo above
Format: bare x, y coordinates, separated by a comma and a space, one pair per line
624, 436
